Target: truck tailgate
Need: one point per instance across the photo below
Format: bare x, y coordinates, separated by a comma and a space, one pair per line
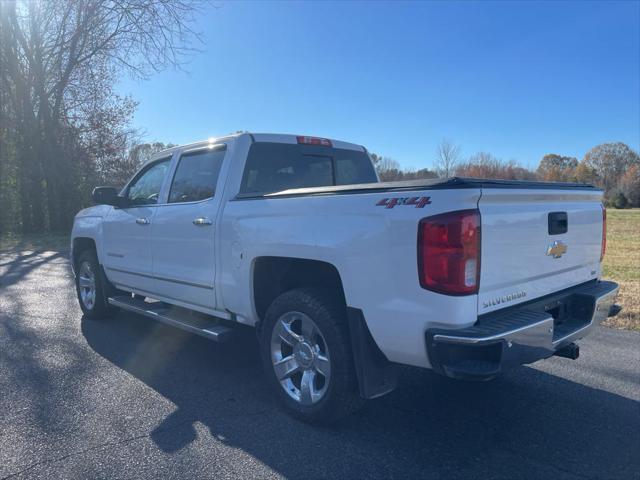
526, 252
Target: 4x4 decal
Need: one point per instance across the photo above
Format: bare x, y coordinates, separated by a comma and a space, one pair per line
419, 202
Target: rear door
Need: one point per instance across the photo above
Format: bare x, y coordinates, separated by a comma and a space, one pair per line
183, 229
536, 242
127, 231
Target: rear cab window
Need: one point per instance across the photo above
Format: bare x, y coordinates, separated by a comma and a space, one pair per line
274, 167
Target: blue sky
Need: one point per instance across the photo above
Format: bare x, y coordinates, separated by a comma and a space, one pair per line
515, 79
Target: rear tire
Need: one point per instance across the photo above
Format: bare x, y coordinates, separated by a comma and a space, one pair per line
92, 287
306, 354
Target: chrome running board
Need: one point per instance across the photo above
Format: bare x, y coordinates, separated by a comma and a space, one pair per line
182, 318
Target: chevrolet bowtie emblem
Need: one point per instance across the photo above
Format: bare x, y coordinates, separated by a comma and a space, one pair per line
556, 249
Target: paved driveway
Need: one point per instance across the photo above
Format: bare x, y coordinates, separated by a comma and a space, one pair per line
130, 398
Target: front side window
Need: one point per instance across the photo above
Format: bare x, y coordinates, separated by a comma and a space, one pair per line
274, 167
145, 188
196, 176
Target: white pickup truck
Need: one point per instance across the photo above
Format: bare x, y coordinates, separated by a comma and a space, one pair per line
342, 276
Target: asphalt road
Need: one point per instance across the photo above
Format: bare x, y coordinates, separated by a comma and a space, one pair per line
129, 398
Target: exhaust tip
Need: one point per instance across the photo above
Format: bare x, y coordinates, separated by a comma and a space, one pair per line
614, 310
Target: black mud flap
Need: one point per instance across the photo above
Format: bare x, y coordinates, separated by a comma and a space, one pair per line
377, 376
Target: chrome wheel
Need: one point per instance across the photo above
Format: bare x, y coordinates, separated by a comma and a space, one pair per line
300, 358
87, 285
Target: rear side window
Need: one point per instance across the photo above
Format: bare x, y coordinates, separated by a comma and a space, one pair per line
274, 167
196, 175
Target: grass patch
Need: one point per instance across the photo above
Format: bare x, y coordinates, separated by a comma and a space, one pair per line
34, 242
622, 265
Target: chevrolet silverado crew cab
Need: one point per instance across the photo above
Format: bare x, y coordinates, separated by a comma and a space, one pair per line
344, 277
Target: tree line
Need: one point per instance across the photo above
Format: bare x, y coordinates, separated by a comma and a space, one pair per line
63, 127
614, 167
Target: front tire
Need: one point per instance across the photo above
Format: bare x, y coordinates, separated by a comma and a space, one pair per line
91, 286
306, 353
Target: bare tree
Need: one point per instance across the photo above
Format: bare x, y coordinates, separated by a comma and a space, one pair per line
610, 161
116, 170
447, 158
486, 165
388, 169
629, 185
60, 60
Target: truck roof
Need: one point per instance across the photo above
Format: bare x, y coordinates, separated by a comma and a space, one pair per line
260, 137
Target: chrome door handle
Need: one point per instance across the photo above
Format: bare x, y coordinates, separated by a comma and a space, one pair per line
202, 221
142, 221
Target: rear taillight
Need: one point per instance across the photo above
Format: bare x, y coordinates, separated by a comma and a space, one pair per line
449, 252
604, 233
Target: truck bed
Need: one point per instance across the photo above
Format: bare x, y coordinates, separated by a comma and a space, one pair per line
422, 184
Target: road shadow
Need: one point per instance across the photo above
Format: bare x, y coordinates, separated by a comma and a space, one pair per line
17, 265
528, 424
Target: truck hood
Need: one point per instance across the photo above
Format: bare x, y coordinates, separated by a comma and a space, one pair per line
95, 211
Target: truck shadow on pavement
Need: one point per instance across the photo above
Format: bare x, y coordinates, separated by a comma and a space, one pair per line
526, 424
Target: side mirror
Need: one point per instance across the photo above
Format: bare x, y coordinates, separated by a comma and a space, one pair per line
107, 196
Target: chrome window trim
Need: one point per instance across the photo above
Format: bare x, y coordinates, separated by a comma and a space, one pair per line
213, 146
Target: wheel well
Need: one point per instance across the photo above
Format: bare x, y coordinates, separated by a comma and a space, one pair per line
81, 244
273, 276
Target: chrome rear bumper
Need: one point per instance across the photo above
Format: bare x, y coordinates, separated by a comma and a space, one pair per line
522, 334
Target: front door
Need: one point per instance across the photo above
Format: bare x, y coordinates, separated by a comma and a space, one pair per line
182, 236
127, 231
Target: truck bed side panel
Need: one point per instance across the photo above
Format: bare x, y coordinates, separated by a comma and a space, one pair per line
374, 249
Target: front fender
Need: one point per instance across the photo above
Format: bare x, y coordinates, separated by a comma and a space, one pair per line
88, 224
